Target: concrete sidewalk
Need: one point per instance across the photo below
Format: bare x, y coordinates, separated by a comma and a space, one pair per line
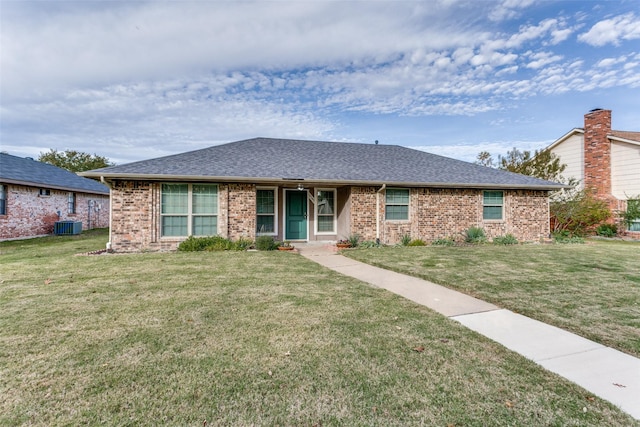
603, 371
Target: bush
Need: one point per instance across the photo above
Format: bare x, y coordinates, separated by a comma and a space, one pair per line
607, 230
577, 212
475, 235
509, 239
243, 244
266, 243
447, 241
405, 240
417, 242
210, 243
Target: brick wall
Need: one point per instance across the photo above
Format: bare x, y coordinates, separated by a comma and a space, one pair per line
30, 214
363, 204
597, 155
136, 220
434, 214
242, 211
447, 213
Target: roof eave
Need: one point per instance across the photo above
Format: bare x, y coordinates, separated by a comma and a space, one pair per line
620, 139
51, 186
316, 182
565, 137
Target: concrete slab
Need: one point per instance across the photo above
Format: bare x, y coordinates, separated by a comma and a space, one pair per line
531, 338
443, 300
607, 373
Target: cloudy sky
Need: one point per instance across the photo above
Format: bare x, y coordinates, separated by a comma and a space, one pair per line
136, 80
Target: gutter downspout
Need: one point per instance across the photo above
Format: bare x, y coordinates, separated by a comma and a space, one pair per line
102, 180
378, 212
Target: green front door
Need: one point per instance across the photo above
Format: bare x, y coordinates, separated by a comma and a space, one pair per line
296, 215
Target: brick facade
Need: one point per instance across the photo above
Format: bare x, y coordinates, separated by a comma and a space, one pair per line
433, 214
597, 155
30, 214
447, 213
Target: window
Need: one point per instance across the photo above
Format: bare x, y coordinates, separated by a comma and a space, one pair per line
71, 203
492, 205
397, 204
633, 205
189, 209
266, 202
326, 211
45, 192
3, 200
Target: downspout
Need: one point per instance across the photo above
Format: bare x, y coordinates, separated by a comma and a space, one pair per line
102, 180
378, 212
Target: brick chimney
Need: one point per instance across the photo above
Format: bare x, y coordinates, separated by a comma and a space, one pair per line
597, 153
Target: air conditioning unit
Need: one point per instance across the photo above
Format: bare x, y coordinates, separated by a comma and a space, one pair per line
64, 228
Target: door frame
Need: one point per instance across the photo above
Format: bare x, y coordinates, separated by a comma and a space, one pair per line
285, 214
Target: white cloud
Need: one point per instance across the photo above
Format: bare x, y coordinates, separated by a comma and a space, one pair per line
509, 9
613, 31
542, 59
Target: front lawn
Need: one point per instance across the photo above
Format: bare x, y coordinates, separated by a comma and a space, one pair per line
247, 338
592, 290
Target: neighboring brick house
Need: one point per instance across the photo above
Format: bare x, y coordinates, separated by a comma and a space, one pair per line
315, 190
35, 195
604, 160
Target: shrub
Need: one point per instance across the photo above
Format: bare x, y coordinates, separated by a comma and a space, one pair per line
577, 212
266, 243
607, 230
509, 239
475, 235
405, 240
447, 241
210, 243
243, 244
417, 242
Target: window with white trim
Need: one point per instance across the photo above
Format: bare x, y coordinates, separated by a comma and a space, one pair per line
396, 204
266, 208
189, 210
326, 211
492, 205
3, 200
71, 203
633, 205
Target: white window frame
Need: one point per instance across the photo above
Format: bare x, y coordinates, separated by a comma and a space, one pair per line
335, 214
275, 211
504, 197
408, 204
190, 215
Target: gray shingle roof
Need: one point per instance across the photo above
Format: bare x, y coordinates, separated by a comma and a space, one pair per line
272, 160
18, 170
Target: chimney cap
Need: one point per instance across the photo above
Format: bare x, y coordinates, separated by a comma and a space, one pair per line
595, 109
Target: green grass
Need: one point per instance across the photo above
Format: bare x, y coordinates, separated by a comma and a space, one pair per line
592, 290
247, 338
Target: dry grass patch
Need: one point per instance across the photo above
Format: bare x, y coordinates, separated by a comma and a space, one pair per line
247, 339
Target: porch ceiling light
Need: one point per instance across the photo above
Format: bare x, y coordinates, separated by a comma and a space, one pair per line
300, 187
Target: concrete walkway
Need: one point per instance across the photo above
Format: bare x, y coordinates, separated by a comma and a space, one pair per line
603, 371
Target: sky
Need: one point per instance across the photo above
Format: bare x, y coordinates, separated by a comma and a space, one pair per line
138, 80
